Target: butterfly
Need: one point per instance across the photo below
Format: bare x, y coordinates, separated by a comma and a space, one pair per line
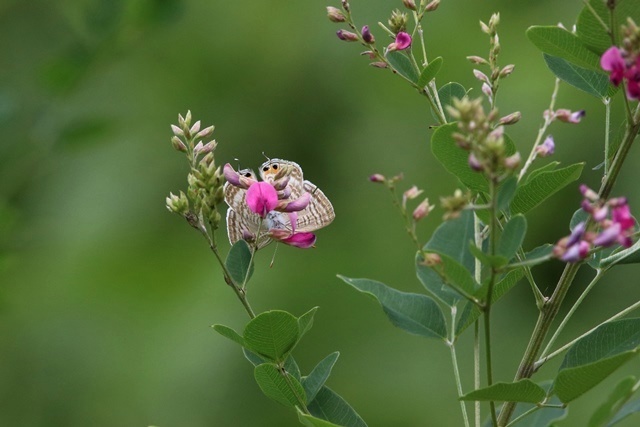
242, 223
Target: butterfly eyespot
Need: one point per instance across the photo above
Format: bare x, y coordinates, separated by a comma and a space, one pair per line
248, 174
275, 166
266, 168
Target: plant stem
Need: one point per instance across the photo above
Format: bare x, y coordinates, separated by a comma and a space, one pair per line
299, 398
552, 306
477, 234
596, 279
493, 229
456, 371
607, 132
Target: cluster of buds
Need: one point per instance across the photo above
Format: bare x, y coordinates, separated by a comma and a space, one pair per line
490, 82
482, 135
455, 204
613, 220
624, 63
205, 190
419, 212
271, 200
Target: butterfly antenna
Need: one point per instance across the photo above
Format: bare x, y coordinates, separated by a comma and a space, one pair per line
266, 157
273, 259
237, 160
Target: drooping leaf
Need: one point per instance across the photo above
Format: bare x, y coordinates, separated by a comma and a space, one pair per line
447, 93
316, 379
561, 43
512, 236
546, 168
520, 391
542, 186
311, 421
403, 65
330, 406
286, 391
471, 312
227, 332
506, 192
593, 82
628, 409
272, 334
618, 397
414, 313
430, 71
596, 356
239, 263
305, 322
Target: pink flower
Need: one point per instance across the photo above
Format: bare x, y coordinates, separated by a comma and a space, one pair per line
622, 215
403, 41
294, 206
367, 36
243, 179
576, 252
613, 62
300, 240
633, 80
261, 198
547, 148
568, 116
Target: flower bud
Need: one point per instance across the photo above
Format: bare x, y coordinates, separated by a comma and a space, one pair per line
477, 60
204, 133
347, 36
484, 28
345, 5
474, 163
409, 4
296, 205
195, 128
507, 70
411, 193
547, 148
335, 14
376, 177
567, 116
588, 193
433, 5
178, 144
431, 259
177, 204
398, 21
422, 210
379, 64
367, 36
486, 89
177, 131
480, 76
512, 162
510, 119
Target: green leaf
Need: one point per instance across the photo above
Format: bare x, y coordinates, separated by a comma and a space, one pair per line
227, 332
593, 82
430, 71
559, 42
546, 168
543, 186
495, 261
506, 192
536, 256
520, 391
330, 406
455, 159
546, 416
316, 379
596, 356
447, 93
290, 365
590, 30
305, 322
414, 313
628, 409
239, 262
273, 384
452, 273
618, 397
512, 236
630, 255
402, 64
311, 421
272, 334
471, 312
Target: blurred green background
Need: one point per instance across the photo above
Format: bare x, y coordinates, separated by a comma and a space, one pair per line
106, 299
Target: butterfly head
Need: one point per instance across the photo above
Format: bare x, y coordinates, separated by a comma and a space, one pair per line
247, 173
274, 169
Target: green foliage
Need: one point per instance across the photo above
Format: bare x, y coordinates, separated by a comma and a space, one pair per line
593, 82
618, 397
628, 409
313, 382
281, 387
414, 313
512, 236
447, 93
590, 29
452, 274
543, 185
403, 65
506, 192
556, 41
272, 334
330, 406
311, 421
520, 391
239, 262
596, 356
430, 72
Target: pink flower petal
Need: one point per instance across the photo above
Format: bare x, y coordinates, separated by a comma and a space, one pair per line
403, 41
301, 240
613, 62
261, 198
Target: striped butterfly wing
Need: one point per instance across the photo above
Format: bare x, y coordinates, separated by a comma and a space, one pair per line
274, 169
237, 223
319, 213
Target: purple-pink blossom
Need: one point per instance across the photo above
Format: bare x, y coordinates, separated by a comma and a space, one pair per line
613, 62
547, 148
403, 41
262, 198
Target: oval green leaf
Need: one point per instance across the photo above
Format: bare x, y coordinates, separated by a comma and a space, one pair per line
447, 93
520, 391
272, 334
239, 263
316, 379
593, 82
512, 236
429, 72
559, 42
414, 313
330, 406
286, 391
403, 66
618, 397
311, 421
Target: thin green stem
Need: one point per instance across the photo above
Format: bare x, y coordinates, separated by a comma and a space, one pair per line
477, 236
299, 398
565, 347
493, 229
409, 223
596, 279
524, 414
607, 132
254, 249
454, 361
